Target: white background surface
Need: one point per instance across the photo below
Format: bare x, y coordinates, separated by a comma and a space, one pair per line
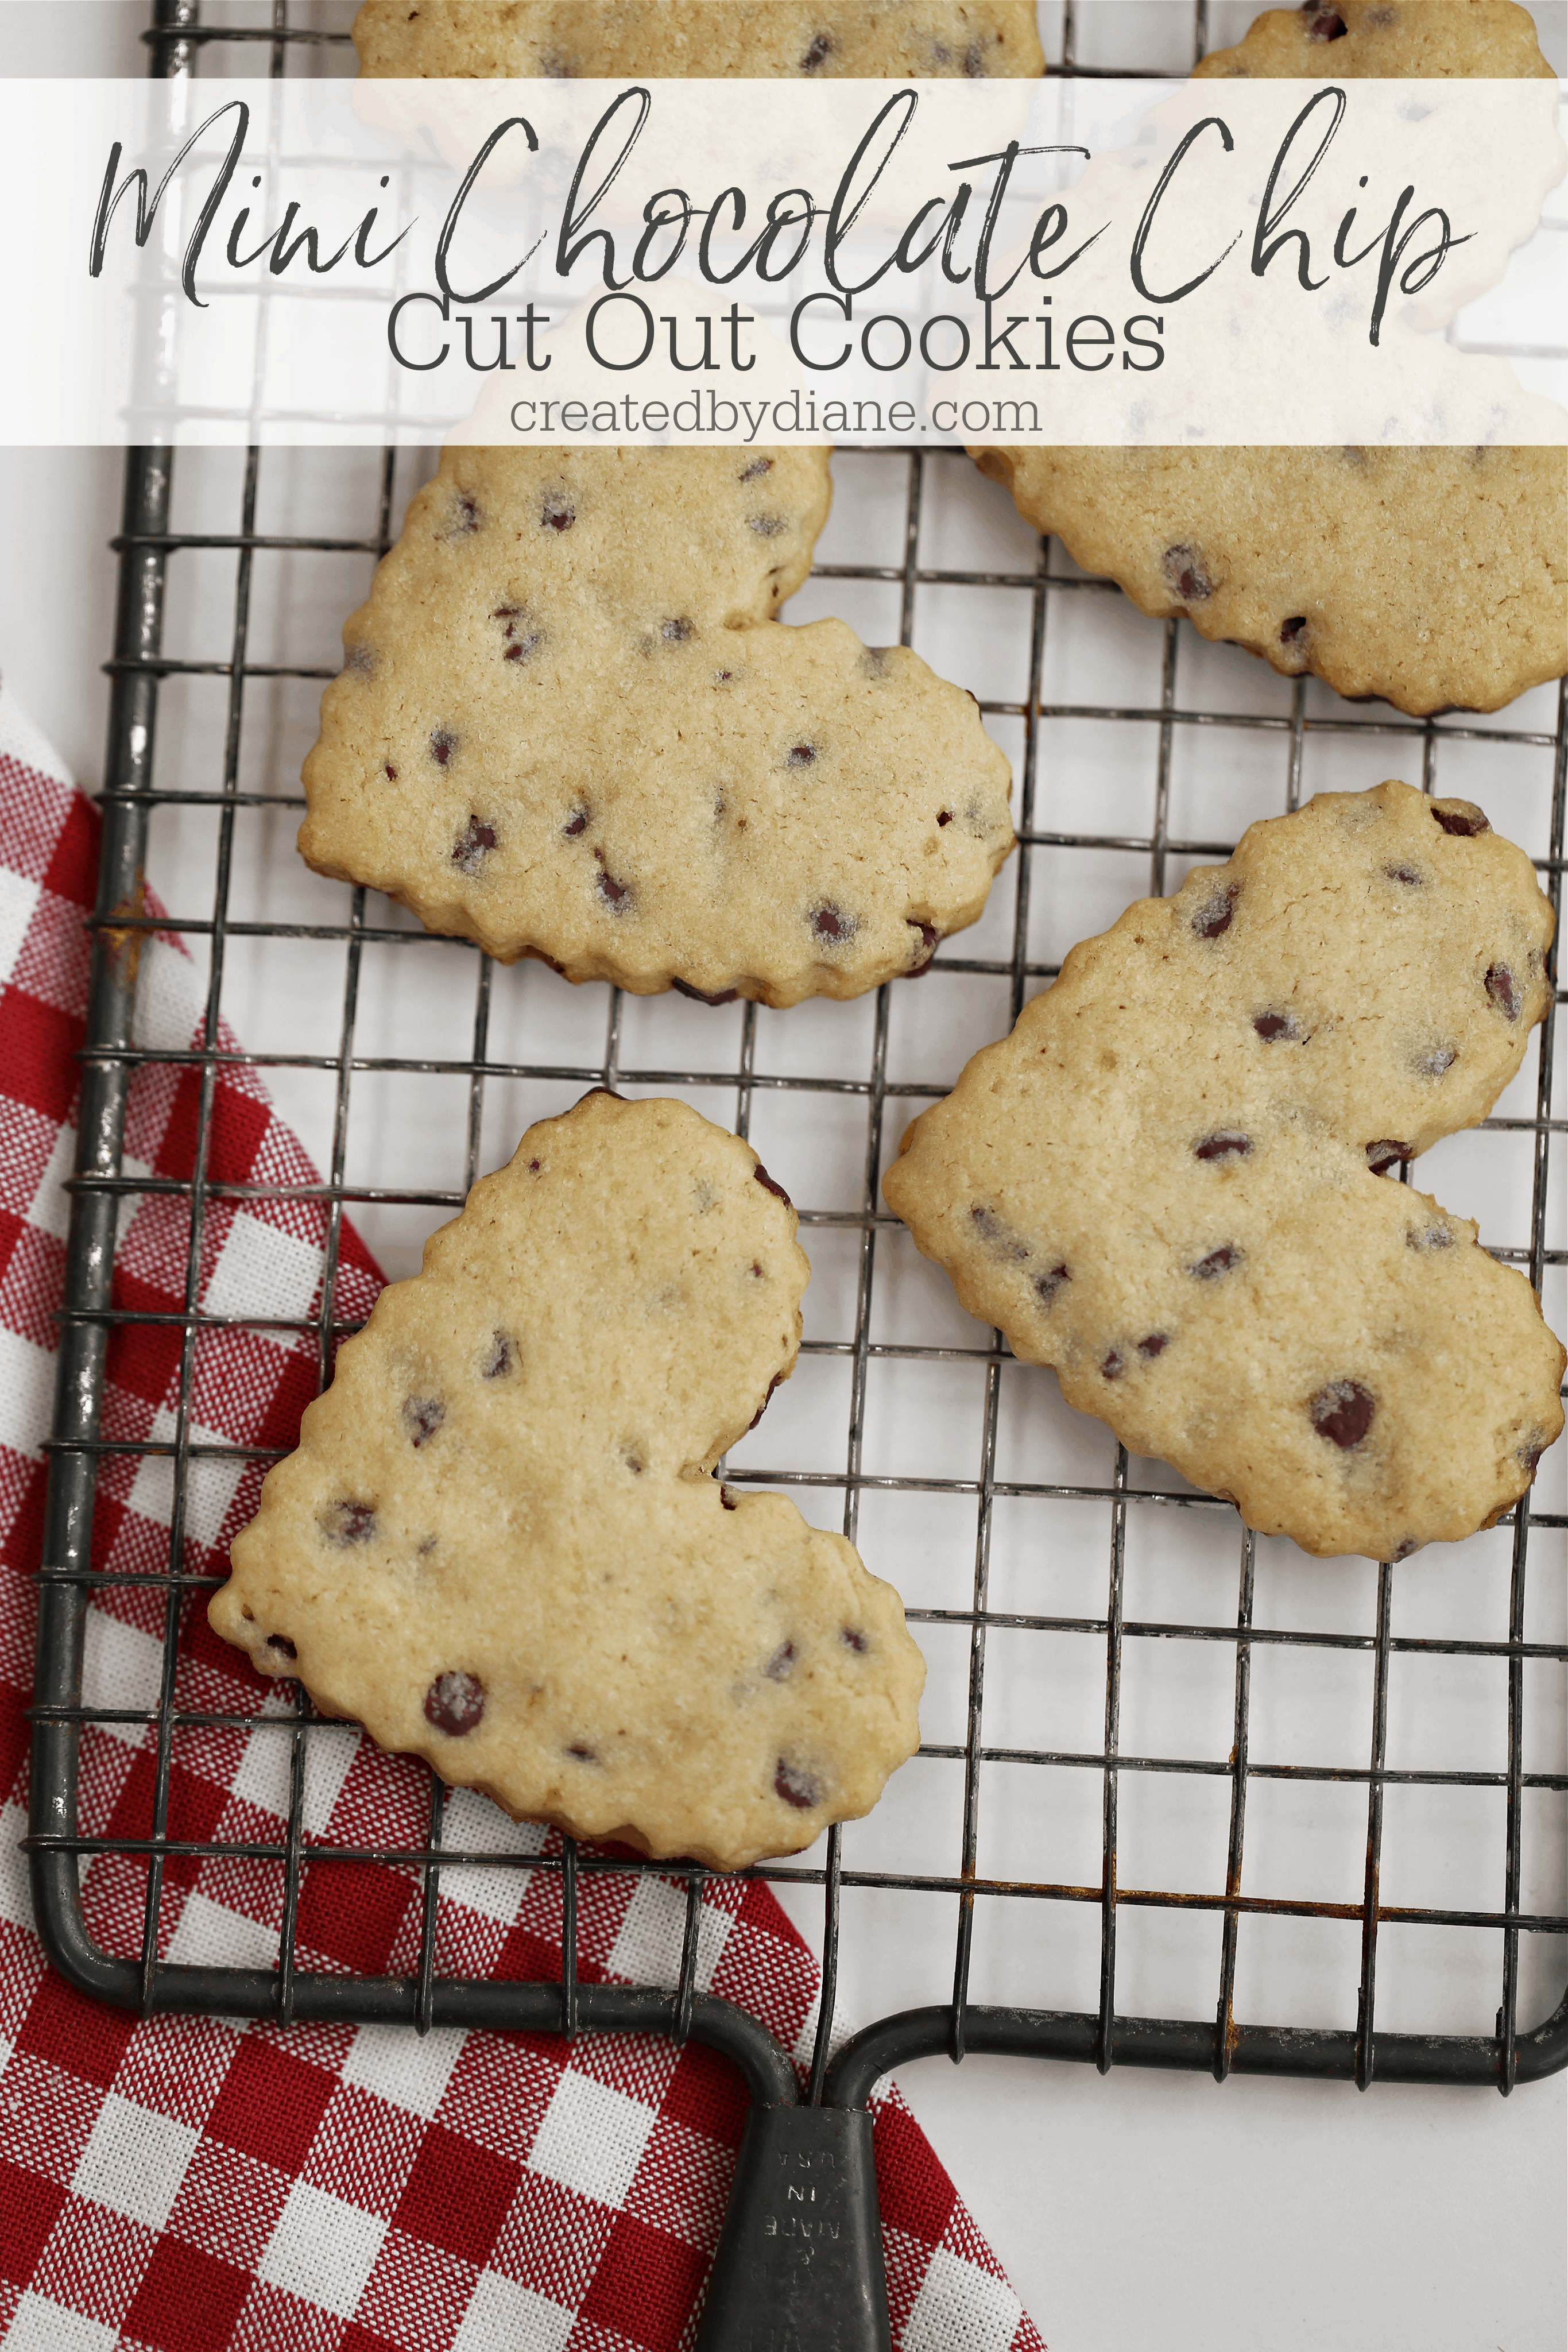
1141, 2209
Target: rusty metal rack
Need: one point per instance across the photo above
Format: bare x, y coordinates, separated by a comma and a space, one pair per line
1523, 1645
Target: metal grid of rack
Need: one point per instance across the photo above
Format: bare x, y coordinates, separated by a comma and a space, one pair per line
1280, 743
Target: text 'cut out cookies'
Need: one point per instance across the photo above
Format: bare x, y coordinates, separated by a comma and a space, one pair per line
500, 1545
564, 729
1169, 1181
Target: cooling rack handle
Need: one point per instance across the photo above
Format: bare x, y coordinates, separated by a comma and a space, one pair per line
799, 2266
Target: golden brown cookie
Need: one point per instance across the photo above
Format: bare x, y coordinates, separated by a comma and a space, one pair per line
1166, 1182
1378, 40
500, 1547
1436, 578
698, 38
564, 729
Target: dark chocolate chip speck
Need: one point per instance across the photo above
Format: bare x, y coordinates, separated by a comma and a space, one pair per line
422, 1417
1326, 24
1461, 817
1440, 1059
469, 850
767, 526
1110, 1369
762, 1408
764, 1178
1217, 1263
443, 743
1405, 874
1154, 1345
778, 1668
1504, 990
1226, 1145
944, 817
1272, 1025
614, 894
1429, 1237
1184, 570
392, 774
801, 754
1387, 1153
500, 1361
929, 936
455, 1702
818, 50
833, 924
853, 1638
675, 633
1047, 1285
558, 512
1214, 916
350, 1522
727, 1499
576, 823
757, 468
795, 1786
1342, 1411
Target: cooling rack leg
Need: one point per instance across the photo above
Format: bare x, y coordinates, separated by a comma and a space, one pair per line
799, 2266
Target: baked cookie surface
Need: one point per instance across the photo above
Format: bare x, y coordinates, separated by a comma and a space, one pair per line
499, 1545
1376, 39
818, 38
564, 730
1436, 579
1163, 1182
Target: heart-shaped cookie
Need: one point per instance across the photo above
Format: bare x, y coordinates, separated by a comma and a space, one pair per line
566, 729
499, 1545
1166, 1182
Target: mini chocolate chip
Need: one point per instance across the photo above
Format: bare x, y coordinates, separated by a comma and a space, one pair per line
821, 47
1223, 1146
727, 1499
558, 512
1405, 874
796, 1786
1429, 1237
1342, 1411
1440, 1059
498, 1363
757, 468
929, 936
1293, 628
1503, 990
1326, 24
720, 996
1217, 1263
675, 633
762, 1408
1403, 1550
392, 774
582, 1754
576, 823
1214, 916
778, 1668
1272, 1025
282, 1644
1112, 1368
1529, 1458
764, 1178
998, 1236
348, 1522
1387, 1153
801, 754
634, 1463
757, 1269
1047, 1285
853, 1638
767, 526
471, 848
443, 744
833, 924
944, 817
1463, 817
614, 894
1184, 570
455, 1702
1154, 1345
465, 516
422, 1417
534, 1167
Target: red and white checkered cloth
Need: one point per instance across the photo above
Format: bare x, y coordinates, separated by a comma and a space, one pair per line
191, 2184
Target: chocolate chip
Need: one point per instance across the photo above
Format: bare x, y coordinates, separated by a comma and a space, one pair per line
801, 755
764, 1178
701, 996
796, 1786
534, 1167
1272, 1025
1342, 1412
1326, 24
422, 1417
727, 1499
465, 516
1293, 628
1112, 1368
1429, 1237
819, 48
391, 775
832, 923
974, 62
1529, 1458
1440, 1059
1405, 874
1504, 990
1463, 817
1154, 1345
1223, 1146
778, 1668
767, 526
675, 633
634, 1462
754, 472
1387, 1153
1217, 1263
853, 1638
944, 817
1214, 916
1184, 570
582, 1754
615, 895
929, 936
348, 1523
576, 823
1047, 1285
757, 1269
762, 1408
498, 1363
472, 846
998, 1236
282, 1644
455, 1702
558, 512
443, 744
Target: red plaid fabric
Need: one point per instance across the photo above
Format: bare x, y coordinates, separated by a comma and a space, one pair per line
192, 2184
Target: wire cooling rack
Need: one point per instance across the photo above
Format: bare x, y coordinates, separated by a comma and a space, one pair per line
1325, 1772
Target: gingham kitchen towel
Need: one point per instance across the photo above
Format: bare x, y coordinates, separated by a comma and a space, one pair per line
194, 2184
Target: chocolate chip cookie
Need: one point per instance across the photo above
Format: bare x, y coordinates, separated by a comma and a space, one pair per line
1397, 39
